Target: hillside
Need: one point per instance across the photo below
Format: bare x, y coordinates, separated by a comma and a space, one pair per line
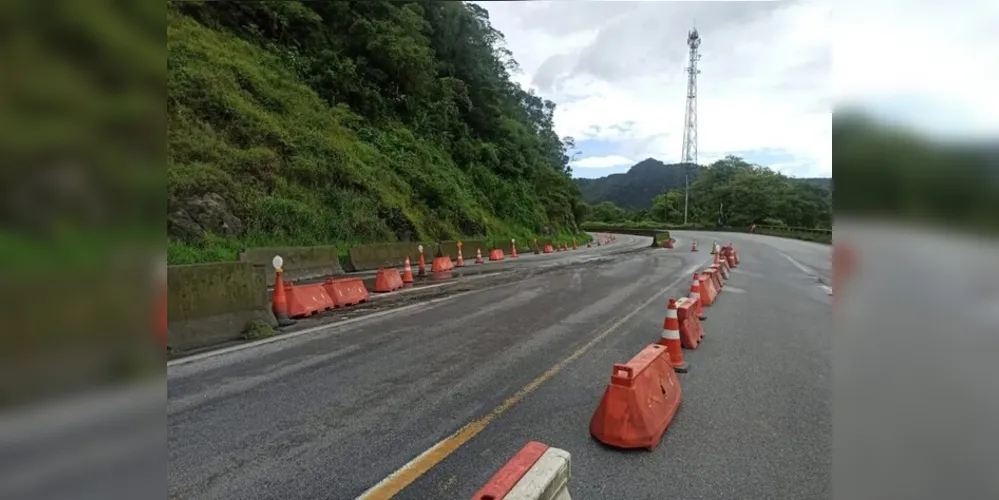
294, 123
635, 188
729, 192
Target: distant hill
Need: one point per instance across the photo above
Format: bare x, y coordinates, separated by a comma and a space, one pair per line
636, 188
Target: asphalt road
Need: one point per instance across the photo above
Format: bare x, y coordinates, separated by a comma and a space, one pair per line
332, 413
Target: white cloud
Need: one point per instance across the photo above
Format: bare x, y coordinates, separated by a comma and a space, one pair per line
616, 70
934, 67
603, 162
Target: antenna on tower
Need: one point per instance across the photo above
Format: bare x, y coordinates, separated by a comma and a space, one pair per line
689, 153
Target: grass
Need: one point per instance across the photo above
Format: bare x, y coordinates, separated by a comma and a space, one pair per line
299, 172
257, 330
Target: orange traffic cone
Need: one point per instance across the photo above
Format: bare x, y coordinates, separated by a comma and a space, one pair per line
461, 260
695, 295
279, 301
407, 272
423, 265
714, 247
513, 249
671, 339
693, 246
478, 255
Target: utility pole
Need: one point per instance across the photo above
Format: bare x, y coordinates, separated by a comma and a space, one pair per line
689, 153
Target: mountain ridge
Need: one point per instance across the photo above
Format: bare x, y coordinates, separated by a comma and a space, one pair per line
636, 188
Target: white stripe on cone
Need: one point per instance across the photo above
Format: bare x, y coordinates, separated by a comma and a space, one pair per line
667, 333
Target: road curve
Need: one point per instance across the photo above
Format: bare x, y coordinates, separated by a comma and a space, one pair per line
334, 413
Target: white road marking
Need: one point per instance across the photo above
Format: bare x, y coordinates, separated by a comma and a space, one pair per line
806, 270
798, 265
412, 470
331, 327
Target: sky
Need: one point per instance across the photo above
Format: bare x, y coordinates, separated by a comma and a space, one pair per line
616, 70
933, 68
771, 74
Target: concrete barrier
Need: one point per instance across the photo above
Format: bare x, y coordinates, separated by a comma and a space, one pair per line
300, 263
536, 472
209, 304
660, 238
373, 256
807, 234
450, 248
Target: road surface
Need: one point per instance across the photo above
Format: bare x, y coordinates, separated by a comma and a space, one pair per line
350, 409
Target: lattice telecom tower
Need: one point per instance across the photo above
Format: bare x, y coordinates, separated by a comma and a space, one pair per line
688, 156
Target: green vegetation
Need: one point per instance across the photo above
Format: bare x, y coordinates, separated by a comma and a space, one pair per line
636, 188
890, 172
728, 193
336, 123
257, 330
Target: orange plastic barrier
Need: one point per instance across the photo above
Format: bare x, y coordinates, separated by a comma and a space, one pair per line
507, 477
722, 264
441, 264
346, 291
695, 295
639, 403
708, 292
548, 248
730, 257
691, 333
306, 300
387, 280
715, 279
496, 254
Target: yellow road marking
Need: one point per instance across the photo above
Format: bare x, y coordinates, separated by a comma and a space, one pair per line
407, 474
